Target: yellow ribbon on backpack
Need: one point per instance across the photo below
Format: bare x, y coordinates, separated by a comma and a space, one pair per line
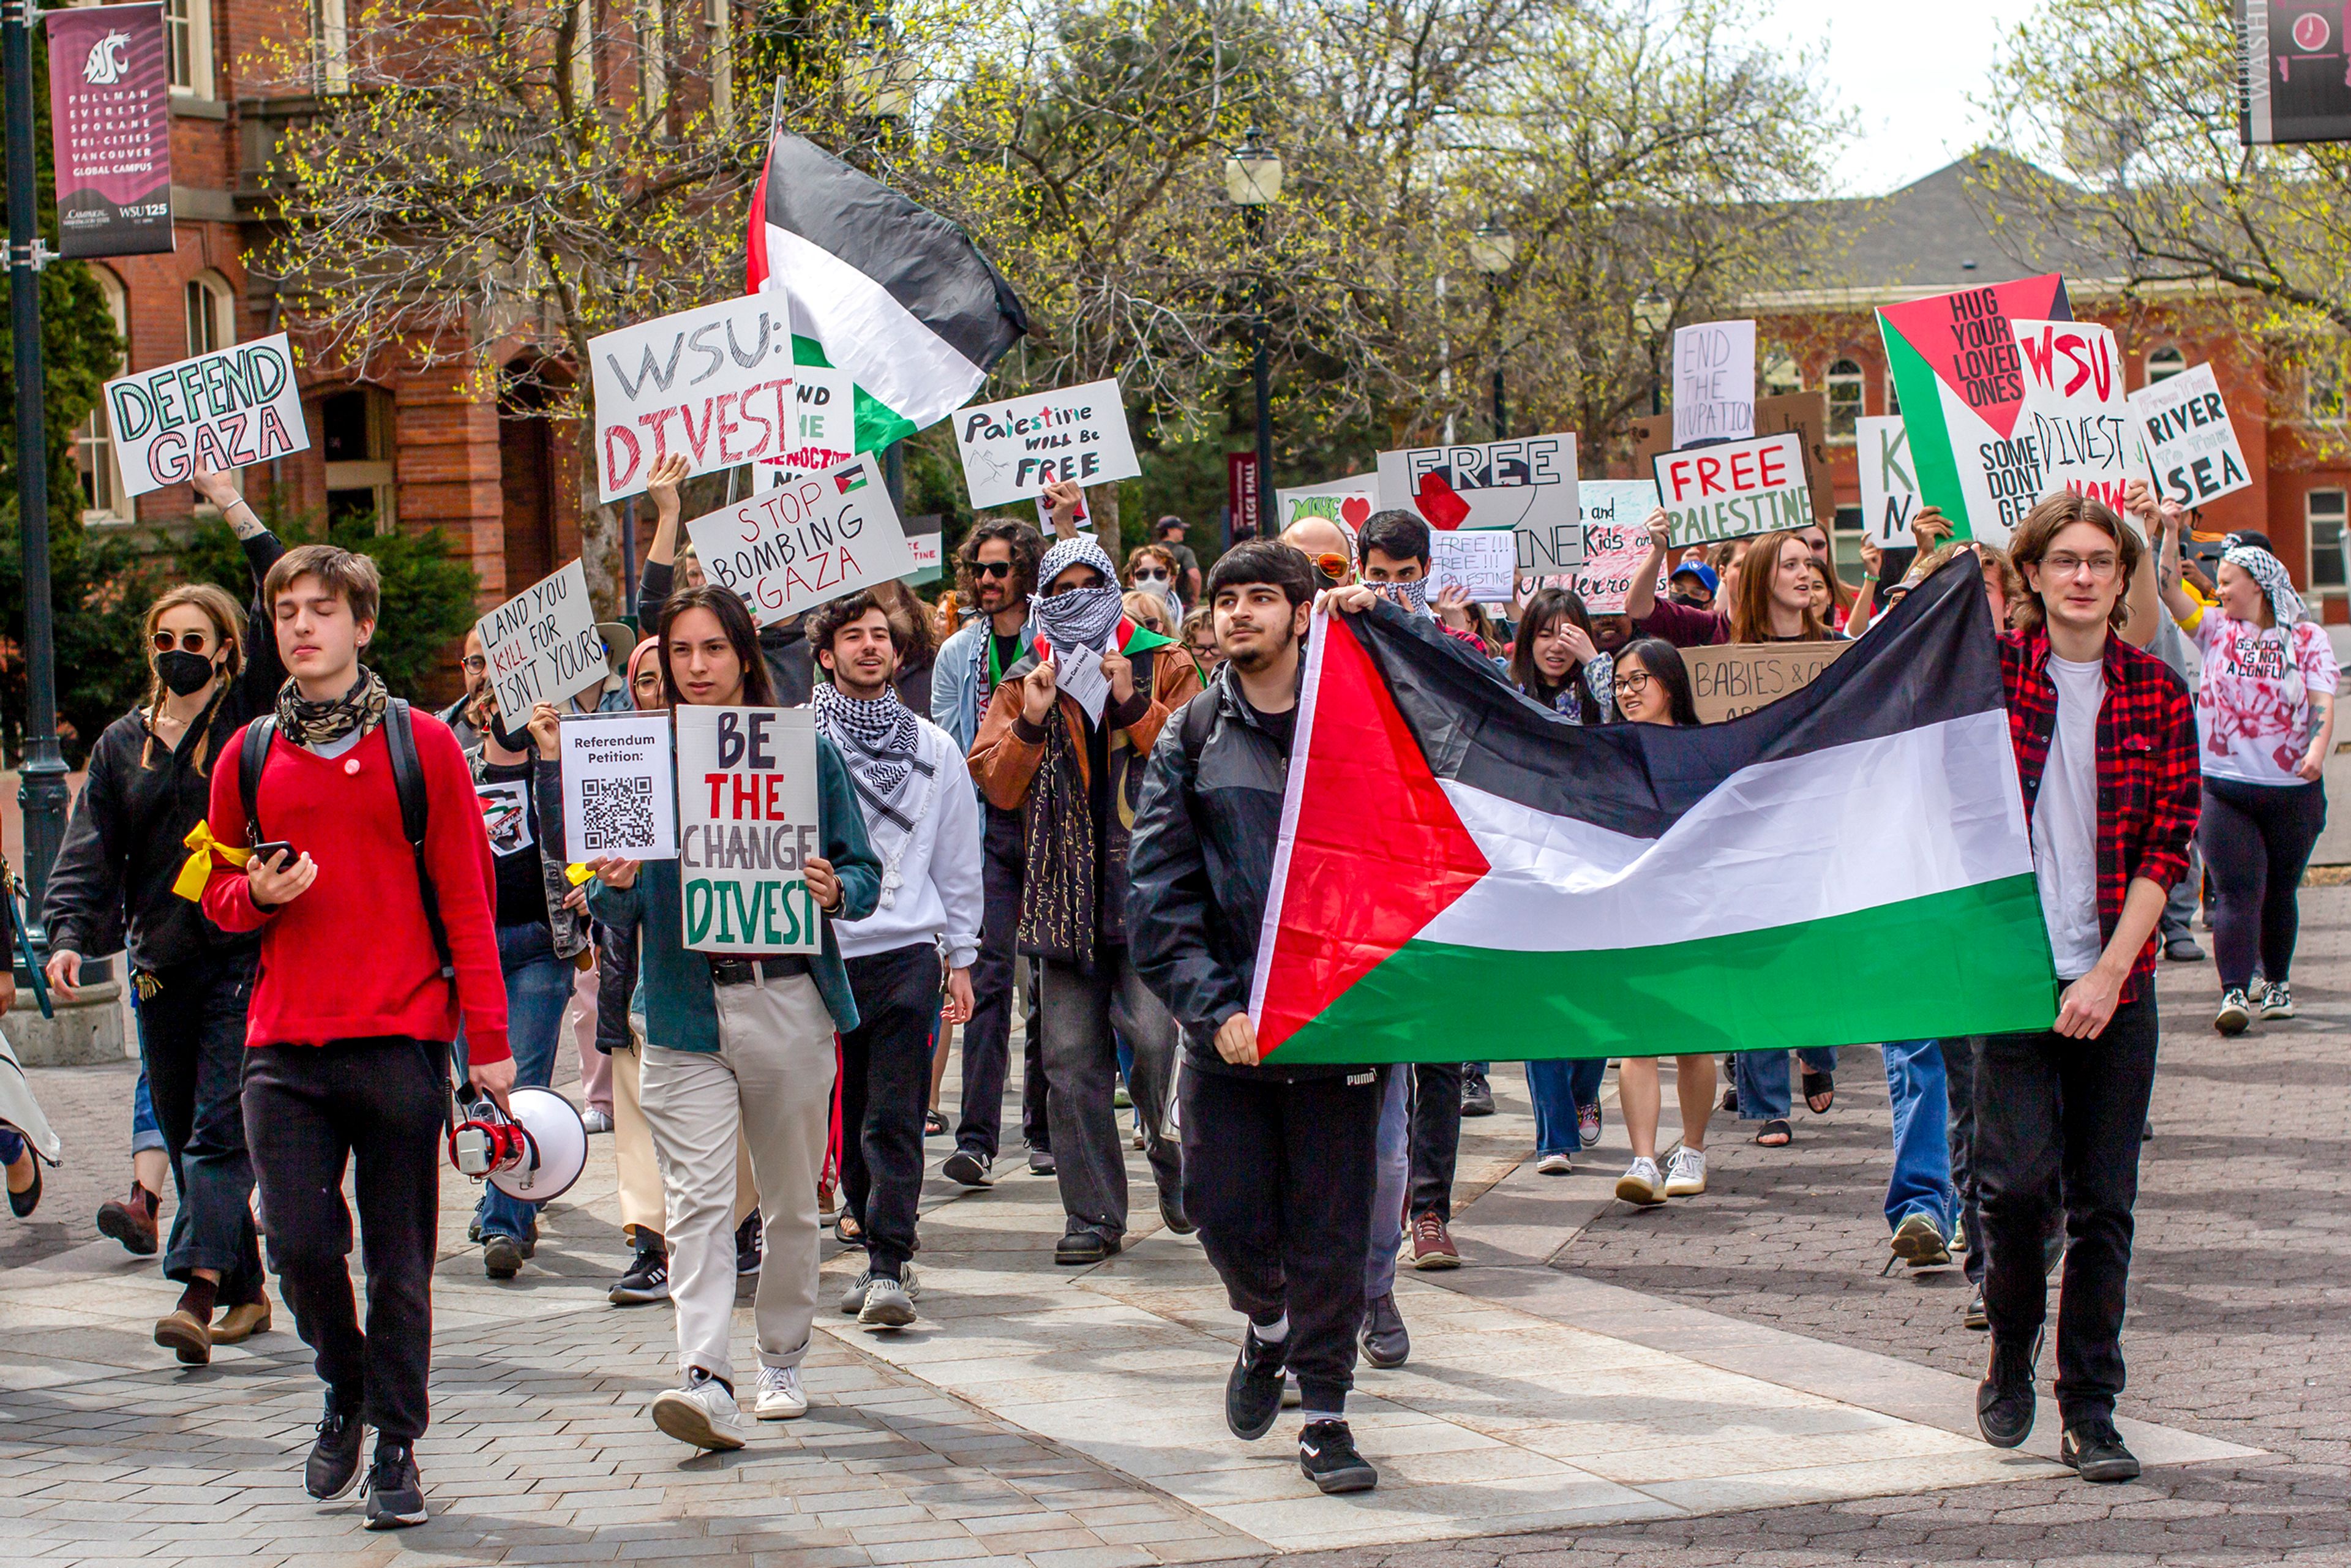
190, 884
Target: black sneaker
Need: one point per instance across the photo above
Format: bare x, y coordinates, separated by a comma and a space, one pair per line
2095, 1450
1041, 1162
395, 1491
647, 1278
2004, 1400
1253, 1390
967, 1169
1172, 1215
334, 1462
1975, 1317
1387, 1343
1477, 1100
747, 1242
1326, 1452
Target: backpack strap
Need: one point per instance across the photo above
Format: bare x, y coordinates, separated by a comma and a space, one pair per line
408, 780
1199, 718
252, 758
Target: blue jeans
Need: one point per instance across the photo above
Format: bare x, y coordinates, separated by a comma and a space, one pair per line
1560, 1089
1763, 1080
1921, 1181
1391, 1171
538, 984
145, 1131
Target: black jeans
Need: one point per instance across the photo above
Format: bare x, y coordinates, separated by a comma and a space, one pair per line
1436, 1136
885, 1086
1960, 1054
1278, 1176
987, 1037
192, 1042
2256, 839
2046, 1107
311, 1111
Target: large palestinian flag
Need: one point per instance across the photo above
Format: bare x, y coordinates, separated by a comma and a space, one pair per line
1463, 874
881, 287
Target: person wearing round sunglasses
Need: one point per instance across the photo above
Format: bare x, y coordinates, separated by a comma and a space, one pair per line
1151, 570
150, 786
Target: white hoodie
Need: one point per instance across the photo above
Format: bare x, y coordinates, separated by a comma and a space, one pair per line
938, 896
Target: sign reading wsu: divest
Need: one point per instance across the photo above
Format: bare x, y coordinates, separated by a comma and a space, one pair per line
714, 383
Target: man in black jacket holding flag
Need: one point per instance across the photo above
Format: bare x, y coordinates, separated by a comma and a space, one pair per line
1276, 1160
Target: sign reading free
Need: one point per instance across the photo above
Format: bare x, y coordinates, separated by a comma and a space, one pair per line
228, 409
1737, 488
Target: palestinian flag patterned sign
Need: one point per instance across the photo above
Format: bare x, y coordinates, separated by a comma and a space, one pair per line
1959, 374
1463, 874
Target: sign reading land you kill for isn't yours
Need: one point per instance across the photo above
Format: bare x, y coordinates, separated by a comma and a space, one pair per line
1734, 489
716, 383
747, 809
542, 645
2191, 446
1012, 450
228, 409
812, 537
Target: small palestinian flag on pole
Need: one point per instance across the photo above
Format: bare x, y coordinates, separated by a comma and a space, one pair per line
1464, 875
880, 286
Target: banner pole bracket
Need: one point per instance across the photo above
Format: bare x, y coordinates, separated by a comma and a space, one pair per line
31, 257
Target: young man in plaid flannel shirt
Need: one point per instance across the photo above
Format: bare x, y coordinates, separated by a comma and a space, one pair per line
2105, 751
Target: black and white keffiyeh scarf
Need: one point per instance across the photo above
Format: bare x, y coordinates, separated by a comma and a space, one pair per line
313, 725
882, 744
1084, 617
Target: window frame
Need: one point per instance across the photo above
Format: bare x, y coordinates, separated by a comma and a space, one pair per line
94, 437
1856, 377
375, 472
189, 36
2175, 365
2339, 521
220, 316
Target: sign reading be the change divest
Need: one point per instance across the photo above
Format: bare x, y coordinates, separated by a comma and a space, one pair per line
747, 810
1012, 450
228, 409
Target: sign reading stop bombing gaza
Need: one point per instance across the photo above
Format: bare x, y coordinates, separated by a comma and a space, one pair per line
228, 409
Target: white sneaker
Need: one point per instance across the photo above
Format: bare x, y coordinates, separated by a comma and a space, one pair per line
596, 1120
2277, 1001
2236, 1012
1554, 1165
1686, 1173
889, 1304
781, 1397
700, 1413
1641, 1183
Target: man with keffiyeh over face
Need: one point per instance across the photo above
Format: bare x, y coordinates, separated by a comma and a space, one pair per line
923, 819
1062, 742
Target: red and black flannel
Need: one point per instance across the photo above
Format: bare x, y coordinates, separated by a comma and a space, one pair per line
2149, 790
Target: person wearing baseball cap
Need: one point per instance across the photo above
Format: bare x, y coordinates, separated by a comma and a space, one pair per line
1693, 583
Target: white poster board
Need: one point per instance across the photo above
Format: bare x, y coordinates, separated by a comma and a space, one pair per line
1012, 450
2191, 446
1528, 482
2076, 424
714, 383
1889, 480
542, 645
1740, 487
1348, 502
929, 553
619, 787
229, 409
1616, 542
813, 538
1714, 383
824, 424
747, 813
1479, 561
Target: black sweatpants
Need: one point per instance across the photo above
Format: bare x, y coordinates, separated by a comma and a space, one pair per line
1278, 1176
2256, 839
2050, 1108
192, 1042
987, 1037
309, 1112
1436, 1137
885, 1087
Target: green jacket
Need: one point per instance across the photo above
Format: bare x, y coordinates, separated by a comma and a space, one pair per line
680, 1011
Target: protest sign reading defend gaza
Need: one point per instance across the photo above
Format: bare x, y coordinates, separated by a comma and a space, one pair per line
543, 645
1737, 488
716, 383
229, 409
2191, 445
747, 813
813, 538
1012, 450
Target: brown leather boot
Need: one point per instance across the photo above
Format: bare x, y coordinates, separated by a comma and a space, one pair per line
131, 1220
184, 1334
240, 1323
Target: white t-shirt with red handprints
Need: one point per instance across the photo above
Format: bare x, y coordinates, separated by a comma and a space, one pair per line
2253, 704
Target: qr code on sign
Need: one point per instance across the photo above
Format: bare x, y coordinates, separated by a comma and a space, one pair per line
617, 813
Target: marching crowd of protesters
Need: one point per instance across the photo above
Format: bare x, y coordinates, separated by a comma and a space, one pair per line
992, 845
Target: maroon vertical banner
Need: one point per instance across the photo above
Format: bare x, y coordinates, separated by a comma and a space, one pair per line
1240, 491
111, 125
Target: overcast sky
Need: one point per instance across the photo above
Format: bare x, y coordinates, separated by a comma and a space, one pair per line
1906, 69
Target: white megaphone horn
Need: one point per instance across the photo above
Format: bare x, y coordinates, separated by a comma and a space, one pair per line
533, 1152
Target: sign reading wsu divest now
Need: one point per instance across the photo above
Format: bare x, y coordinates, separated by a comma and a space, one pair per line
746, 811
229, 409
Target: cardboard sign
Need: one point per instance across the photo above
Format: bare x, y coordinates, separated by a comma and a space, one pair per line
714, 383
1738, 488
1803, 414
1012, 450
111, 129
1616, 542
1714, 383
1889, 488
619, 787
746, 825
543, 645
929, 553
1727, 682
1481, 561
229, 409
2191, 446
1525, 483
1348, 502
813, 538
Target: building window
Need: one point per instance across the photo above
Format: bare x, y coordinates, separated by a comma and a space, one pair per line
211, 318
1845, 384
719, 39
355, 438
1893, 394
334, 46
1776, 371
2164, 363
653, 55
101, 488
1844, 544
2325, 511
188, 46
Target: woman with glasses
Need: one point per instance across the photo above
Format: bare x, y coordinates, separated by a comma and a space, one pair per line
1154, 571
149, 787
1652, 686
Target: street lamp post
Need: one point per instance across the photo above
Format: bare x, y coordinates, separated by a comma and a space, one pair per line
1253, 181
1494, 250
1652, 314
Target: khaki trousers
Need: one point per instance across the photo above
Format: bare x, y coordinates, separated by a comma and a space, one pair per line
643, 1205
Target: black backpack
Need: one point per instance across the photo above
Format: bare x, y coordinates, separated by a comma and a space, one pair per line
407, 779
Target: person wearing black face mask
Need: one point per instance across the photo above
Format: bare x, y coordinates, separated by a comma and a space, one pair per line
150, 784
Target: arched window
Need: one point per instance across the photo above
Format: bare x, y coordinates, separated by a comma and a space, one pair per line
101, 489
2164, 363
354, 426
211, 314
1845, 386
2322, 392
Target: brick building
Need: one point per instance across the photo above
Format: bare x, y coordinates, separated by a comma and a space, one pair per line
1936, 237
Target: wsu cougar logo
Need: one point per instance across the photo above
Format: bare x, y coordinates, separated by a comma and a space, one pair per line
107, 64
